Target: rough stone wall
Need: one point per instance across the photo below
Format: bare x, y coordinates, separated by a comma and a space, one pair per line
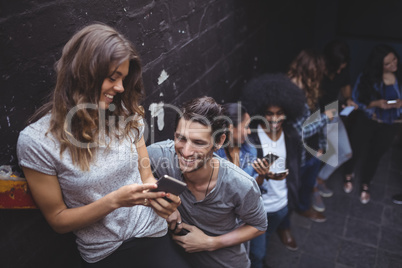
202, 47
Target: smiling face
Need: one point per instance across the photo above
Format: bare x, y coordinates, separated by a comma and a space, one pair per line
193, 144
275, 117
390, 63
113, 84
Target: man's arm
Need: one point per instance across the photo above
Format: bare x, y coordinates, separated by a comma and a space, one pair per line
196, 240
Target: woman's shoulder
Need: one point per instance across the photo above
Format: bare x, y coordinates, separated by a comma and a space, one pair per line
38, 128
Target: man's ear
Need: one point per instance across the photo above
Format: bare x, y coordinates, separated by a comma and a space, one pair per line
219, 144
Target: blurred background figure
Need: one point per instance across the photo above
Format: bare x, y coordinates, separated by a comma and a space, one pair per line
335, 91
306, 71
377, 92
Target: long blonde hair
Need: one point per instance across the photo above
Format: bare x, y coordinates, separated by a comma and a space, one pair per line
307, 69
86, 61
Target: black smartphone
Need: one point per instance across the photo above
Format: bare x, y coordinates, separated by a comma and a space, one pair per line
183, 232
170, 185
270, 157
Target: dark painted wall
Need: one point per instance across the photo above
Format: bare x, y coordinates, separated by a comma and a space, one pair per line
206, 47
209, 47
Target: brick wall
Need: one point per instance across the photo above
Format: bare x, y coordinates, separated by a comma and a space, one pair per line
203, 47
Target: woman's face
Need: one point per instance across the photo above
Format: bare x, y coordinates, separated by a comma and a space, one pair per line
390, 63
240, 132
113, 85
275, 116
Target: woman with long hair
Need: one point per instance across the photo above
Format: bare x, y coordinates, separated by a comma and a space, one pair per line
236, 149
306, 71
85, 158
377, 91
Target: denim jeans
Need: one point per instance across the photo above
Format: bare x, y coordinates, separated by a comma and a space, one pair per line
339, 150
258, 245
308, 179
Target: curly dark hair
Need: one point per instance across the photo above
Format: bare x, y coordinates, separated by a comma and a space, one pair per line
273, 90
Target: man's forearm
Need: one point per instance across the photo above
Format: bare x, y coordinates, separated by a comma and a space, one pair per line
235, 237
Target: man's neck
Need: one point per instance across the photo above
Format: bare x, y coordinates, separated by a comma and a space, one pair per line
201, 175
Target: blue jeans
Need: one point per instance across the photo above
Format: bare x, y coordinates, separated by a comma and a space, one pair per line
258, 245
339, 150
308, 179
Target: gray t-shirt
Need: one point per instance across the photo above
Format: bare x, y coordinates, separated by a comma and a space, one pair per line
113, 168
235, 197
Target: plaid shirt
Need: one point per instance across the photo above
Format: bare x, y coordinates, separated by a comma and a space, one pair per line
307, 125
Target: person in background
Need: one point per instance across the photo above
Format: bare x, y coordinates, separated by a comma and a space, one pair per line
83, 165
336, 91
274, 102
221, 208
306, 71
237, 148
377, 92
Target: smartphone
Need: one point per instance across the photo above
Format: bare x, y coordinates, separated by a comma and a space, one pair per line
270, 157
281, 173
391, 101
183, 232
170, 185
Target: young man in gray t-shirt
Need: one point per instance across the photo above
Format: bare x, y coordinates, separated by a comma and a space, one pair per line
221, 207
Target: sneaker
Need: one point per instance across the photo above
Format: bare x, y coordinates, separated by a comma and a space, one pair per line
365, 194
318, 204
313, 215
397, 199
324, 191
348, 183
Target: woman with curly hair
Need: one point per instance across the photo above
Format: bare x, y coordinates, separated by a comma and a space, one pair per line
306, 71
85, 158
274, 102
377, 91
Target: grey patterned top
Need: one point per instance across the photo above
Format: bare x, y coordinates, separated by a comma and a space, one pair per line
113, 168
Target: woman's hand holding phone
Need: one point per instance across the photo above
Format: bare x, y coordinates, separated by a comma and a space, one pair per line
164, 207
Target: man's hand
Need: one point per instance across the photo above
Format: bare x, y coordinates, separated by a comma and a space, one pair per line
195, 240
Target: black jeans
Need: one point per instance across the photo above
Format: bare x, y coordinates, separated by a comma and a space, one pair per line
370, 140
155, 252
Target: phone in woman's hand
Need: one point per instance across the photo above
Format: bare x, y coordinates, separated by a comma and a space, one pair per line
170, 185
